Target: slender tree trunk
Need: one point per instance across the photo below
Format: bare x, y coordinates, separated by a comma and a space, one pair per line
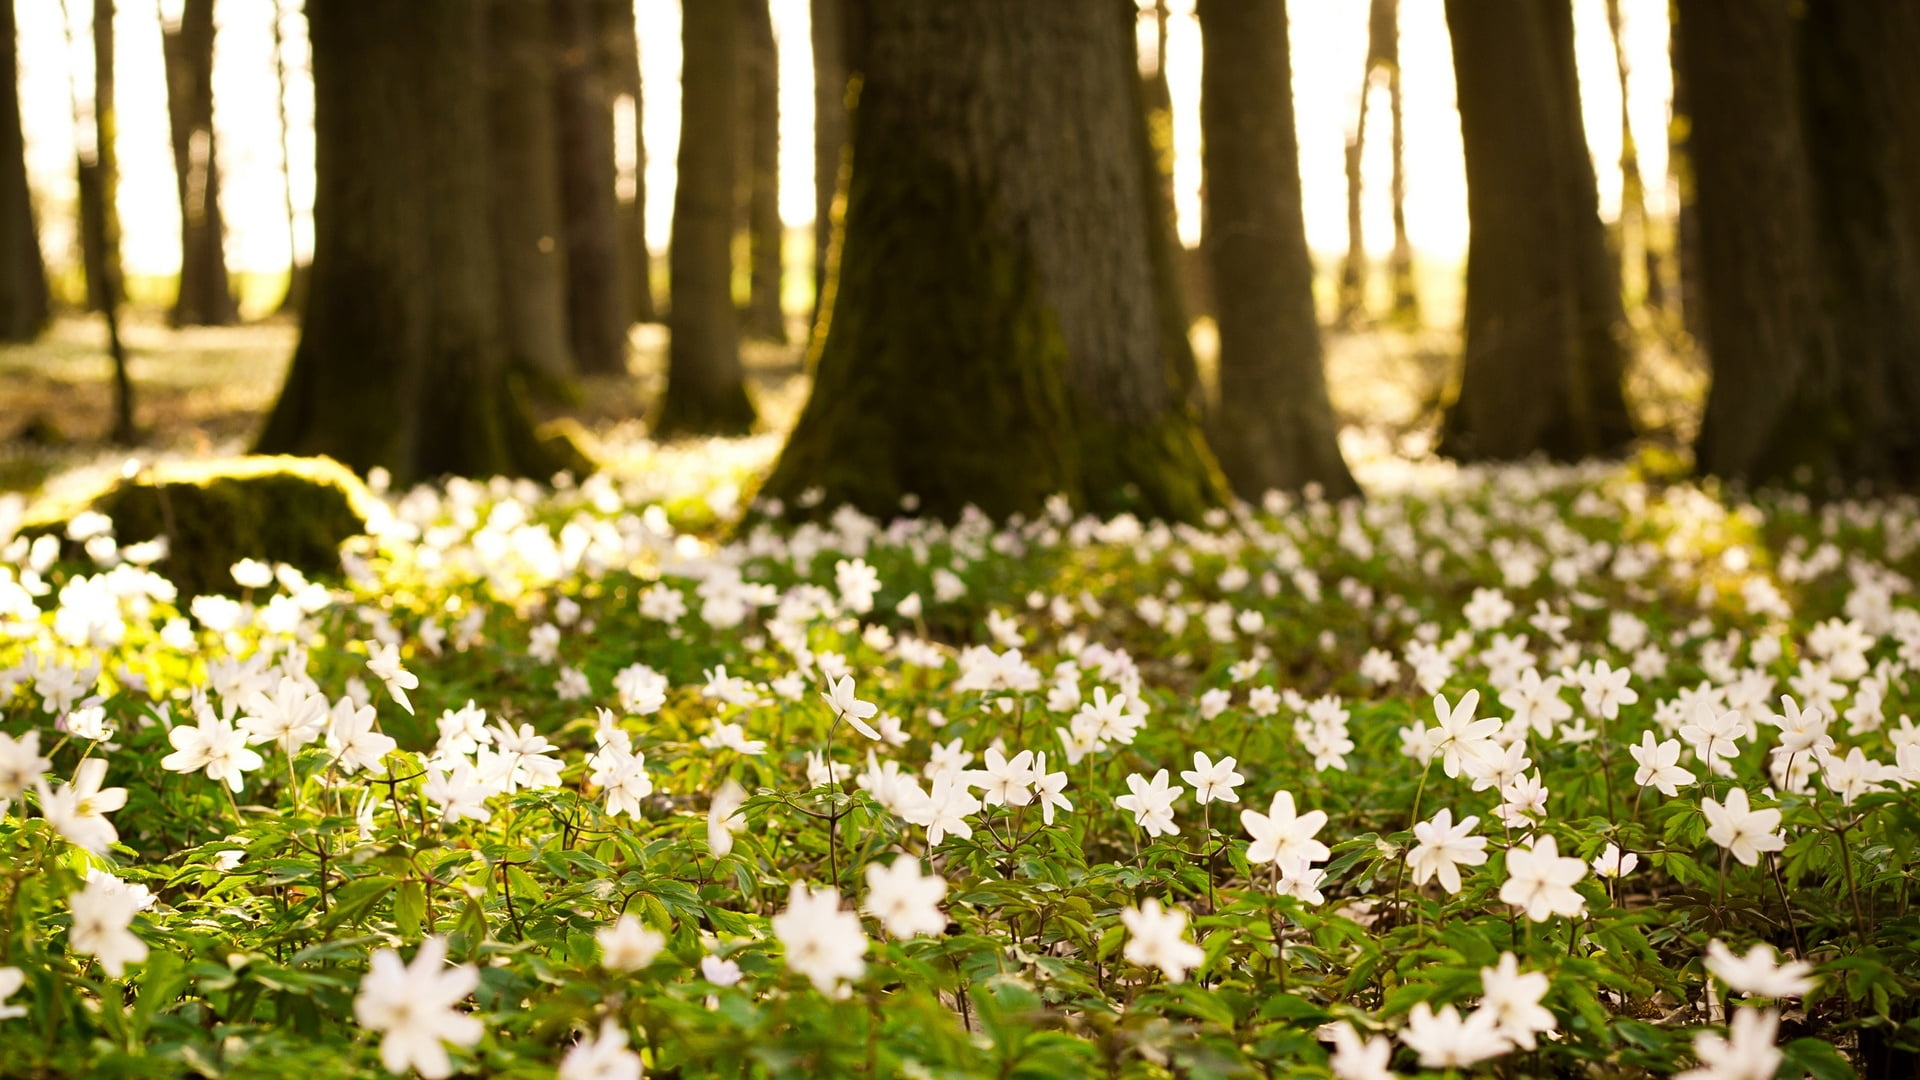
1275, 427
597, 318
528, 227
1544, 358
400, 363
829, 32
997, 334
295, 300
205, 296
23, 274
621, 49
99, 222
706, 386
1405, 308
1635, 228
759, 183
1383, 60
1686, 217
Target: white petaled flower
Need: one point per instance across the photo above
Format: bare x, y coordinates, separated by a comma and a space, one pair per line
1756, 972
1541, 882
823, 942
290, 717
102, 916
905, 901
945, 810
1151, 803
1005, 782
214, 745
1745, 832
1614, 863
846, 706
354, 741
1446, 1040
78, 810
1443, 848
457, 792
1047, 788
384, 662
622, 779
1356, 1060
1605, 689
1659, 765
1213, 780
627, 945
1513, 997
411, 1006
602, 1057
11, 980
1458, 735
1156, 938
1280, 835
1746, 1053
723, 817
21, 765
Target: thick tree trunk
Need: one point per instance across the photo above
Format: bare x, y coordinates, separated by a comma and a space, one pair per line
528, 230
706, 388
760, 182
597, 318
829, 31
1774, 410
205, 296
1544, 357
620, 50
1686, 219
997, 333
401, 363
1275, 427
23, 274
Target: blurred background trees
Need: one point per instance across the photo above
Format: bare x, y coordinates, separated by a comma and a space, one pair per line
1108, 248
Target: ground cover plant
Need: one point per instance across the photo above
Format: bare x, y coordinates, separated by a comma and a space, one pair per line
1526, 771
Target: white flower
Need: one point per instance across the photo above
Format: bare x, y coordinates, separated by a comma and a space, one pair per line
1745, 832
945, 810
906, 902
1513, 997
719, 971
1005, 782
1151, 803
1614, 863
11, 979
1444, 1040
604, 1057
1281, 836
1749, 1054
723, 817
90, 724
353, 740
1604, 689
725, 736
78, 809
1213, 780
1355, 1060
823, 942
212, 744
384, 662
102, 913
1157, 938
850, 708
1047, 788
412, 1006
1457, 734
1659, 765
1443, 848
1756, 972
21, 765
627, 945
622, 779
1540, 881
290, 717
458, 792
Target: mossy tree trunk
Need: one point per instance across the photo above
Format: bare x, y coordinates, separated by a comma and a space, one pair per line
1274, 427
760, 179
401, 363
597, 318
997, 332
706, 388
620, 51
1774, 409
23, 273
528, 228
1544, 324
205, 296
829, 32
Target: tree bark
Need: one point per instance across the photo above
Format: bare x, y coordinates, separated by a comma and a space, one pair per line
295, 300
528, 227
401, 363
597, 318
205, 296
1774, 411
1635, 227
760, 182
620, 48
998, 332
706, 387
1405, 293
1544, 357
1275, 427
829, 31
23, 273
97, 175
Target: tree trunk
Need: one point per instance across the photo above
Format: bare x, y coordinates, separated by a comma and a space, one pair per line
620, 48
597, 318
98, 171
205, 297
1275, 428
1686, 218
1544, 358
23, 274
528, 228
1405, 308
997, 333
760, 183
706, 387
1774, 409
1862, 123
829, 33
401, 363
295, 300
1635, 226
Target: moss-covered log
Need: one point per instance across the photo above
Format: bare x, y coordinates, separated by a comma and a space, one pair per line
995, 333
